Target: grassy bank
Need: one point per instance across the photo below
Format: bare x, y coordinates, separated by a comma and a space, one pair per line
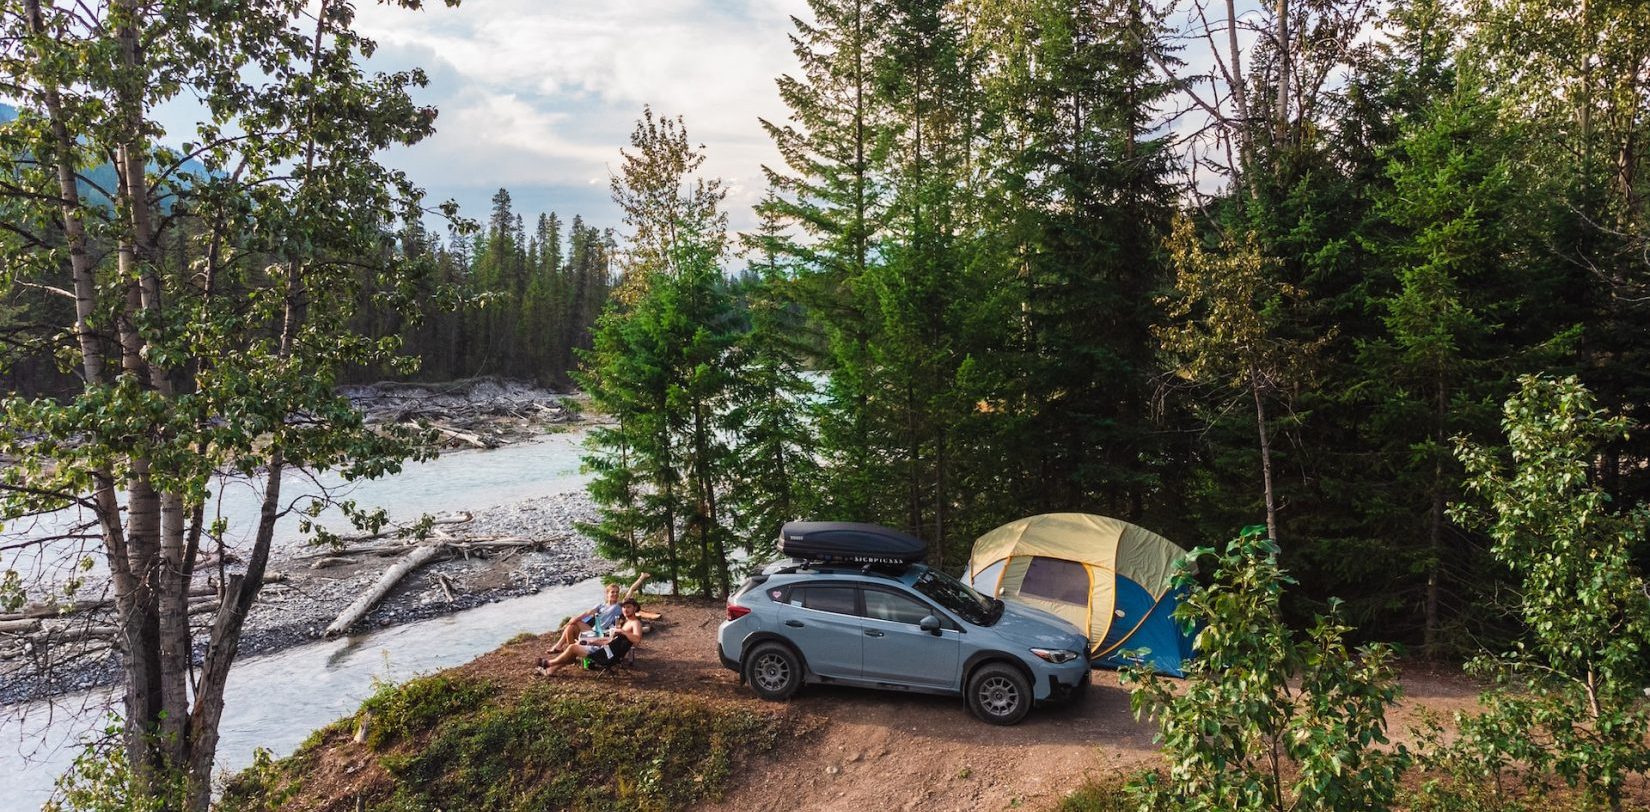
453, 741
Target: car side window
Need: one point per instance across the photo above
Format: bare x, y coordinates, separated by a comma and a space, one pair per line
841, 600
880, 605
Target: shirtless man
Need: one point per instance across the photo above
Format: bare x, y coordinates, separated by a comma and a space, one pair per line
606, 613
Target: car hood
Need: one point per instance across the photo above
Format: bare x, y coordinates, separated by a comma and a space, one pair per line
1035, 627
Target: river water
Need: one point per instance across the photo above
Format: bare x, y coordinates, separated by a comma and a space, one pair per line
275, 701
462, 480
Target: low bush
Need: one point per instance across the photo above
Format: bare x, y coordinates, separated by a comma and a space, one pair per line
449, 742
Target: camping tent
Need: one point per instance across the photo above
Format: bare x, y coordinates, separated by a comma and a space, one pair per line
1111, 579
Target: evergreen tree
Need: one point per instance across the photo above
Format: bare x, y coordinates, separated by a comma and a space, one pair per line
832, 145
774, 476
1453, 338
1084, 191
660, 366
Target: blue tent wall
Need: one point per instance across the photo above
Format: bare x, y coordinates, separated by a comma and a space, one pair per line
1169, 646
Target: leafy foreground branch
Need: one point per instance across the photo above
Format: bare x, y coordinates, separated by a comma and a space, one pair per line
1567, 700
1265, 721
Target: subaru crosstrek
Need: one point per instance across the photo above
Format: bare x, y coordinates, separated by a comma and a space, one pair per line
906, 628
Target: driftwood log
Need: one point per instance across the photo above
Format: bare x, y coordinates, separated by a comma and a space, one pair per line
417, 556
361, 544
469, 438
352, 613
50, 610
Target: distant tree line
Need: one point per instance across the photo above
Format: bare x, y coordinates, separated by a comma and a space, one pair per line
534, 296
529, 300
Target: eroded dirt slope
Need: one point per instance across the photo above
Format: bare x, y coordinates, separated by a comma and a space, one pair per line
872, 750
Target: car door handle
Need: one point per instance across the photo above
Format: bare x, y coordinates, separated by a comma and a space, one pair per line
872, 633
795, 623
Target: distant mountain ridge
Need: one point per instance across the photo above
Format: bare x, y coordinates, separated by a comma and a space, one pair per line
103, 176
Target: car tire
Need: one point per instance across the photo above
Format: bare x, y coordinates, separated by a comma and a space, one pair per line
773, 671
998, 693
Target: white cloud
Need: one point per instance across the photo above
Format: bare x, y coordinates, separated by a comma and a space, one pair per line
545, 93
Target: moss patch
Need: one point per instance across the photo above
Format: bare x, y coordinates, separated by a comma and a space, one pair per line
457, 742
1098, 794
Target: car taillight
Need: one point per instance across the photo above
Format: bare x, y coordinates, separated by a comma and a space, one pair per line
735, 611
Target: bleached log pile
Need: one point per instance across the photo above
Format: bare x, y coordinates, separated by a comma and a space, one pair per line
473, 413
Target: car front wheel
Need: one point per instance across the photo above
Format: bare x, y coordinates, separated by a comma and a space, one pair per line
999, 694
773, 672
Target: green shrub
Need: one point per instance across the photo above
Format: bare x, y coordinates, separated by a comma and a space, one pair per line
400, 712
1103, 794
101, 780
1567, 699
551, 750
1265, 721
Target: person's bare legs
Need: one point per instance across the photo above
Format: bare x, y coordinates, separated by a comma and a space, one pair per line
569, 635
569, 654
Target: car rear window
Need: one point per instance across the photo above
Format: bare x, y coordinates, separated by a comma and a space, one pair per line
843, 600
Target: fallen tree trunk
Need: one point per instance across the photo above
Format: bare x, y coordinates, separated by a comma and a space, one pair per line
19, 626
352, 613
74, 634
399, 531
474, 440
50, 610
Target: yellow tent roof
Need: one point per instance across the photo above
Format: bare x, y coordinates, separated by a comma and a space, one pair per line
1107, 549
1111, 544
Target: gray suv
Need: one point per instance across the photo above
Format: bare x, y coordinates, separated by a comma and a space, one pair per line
894, 625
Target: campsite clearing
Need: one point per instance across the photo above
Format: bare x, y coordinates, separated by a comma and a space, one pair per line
864, 749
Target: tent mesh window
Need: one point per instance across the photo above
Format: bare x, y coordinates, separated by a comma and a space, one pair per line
1056, 579
986, 580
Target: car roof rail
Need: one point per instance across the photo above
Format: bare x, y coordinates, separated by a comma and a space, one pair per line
889, 571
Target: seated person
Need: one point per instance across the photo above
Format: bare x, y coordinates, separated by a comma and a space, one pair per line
606, 615
601, 651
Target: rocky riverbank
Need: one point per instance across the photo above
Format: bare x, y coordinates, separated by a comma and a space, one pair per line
298, 607
45, 653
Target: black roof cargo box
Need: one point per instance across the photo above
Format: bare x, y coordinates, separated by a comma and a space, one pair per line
849, 543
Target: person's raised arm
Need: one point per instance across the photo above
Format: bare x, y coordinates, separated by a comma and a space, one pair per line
631, 592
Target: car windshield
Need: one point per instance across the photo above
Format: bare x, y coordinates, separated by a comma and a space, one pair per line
958, 597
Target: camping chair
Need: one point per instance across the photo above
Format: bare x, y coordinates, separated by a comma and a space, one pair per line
623, 667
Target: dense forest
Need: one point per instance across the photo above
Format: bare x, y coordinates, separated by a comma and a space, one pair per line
532, 298
1042, 264
498, 300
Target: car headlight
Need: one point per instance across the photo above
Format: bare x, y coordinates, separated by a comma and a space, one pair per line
1055, 655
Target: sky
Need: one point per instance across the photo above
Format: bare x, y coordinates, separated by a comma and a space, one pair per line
537, 96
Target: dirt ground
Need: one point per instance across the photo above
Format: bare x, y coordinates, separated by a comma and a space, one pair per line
874, 750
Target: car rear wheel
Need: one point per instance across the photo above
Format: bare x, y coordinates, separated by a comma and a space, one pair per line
773, 671
999, 694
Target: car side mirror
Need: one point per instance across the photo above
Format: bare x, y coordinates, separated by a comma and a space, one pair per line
930, 624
